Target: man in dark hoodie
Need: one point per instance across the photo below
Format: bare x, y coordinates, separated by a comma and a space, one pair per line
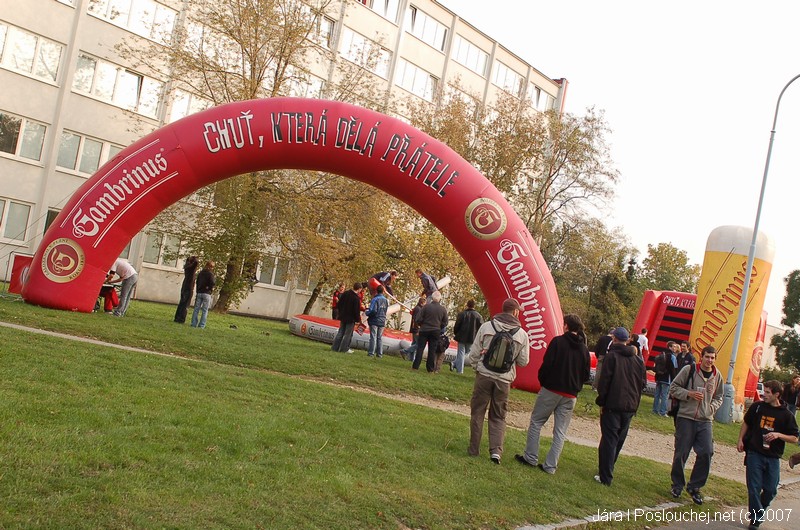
565, 368
618, 394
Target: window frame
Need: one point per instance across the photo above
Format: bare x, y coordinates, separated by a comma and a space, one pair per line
23, 133
7, 204
417, 22
461, 51
8, 45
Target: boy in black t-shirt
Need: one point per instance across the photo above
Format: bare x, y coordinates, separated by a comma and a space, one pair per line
766, 429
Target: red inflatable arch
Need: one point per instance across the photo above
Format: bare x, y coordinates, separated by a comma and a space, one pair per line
292, 133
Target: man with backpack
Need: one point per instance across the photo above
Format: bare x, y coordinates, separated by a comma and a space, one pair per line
499, 347
565, 368
665, 368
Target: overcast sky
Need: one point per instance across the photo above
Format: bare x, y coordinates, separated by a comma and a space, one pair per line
689, 90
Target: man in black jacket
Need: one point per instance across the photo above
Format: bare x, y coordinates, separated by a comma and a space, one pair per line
618, 394
600, 353
202, 300
467, 324
349, 314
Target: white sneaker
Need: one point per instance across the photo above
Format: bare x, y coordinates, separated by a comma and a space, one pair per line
597, 479
349, 351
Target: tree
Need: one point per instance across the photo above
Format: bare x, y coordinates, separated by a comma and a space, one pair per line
787, 345
667, 268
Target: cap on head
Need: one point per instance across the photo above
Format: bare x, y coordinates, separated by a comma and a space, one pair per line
620, 333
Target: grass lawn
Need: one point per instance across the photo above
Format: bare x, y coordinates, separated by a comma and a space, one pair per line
95, 437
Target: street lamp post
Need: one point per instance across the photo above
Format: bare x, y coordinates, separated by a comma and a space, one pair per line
725, 413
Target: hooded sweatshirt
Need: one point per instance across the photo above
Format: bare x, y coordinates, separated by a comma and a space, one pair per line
622, 379
504, 322
566, 364
689, 379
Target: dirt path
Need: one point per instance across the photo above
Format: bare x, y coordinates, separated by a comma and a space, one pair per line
727, 461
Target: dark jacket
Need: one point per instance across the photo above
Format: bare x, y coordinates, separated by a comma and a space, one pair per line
686, 360
432, 317
790, 394
467, 324
205, 282
414, 324
602, 346
565, 367
621, 380
664, 367
428, 284
349, 307
780, 420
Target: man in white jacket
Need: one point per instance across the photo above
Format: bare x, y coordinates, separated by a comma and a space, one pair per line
491, 387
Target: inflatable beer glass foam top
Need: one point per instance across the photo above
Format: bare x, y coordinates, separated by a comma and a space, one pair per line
719, 296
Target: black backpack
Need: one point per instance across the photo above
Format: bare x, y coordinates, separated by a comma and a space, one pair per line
660, 365
499, 356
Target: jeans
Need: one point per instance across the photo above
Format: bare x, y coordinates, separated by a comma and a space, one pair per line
125, 293
201, 304
763, 474
461, 352
614, 427
660, 398
375, 341
560, 407
697, 435
343, 337
492, 393
412, 349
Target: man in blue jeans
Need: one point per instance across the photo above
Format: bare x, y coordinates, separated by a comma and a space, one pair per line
376, 318
767, 427
665, 370
205, 287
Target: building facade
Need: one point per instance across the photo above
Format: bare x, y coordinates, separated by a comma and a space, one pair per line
71, 101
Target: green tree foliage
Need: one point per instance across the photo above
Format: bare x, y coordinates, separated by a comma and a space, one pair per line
667, 268
787, 345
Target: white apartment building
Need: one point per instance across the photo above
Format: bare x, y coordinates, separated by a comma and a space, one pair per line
69, 102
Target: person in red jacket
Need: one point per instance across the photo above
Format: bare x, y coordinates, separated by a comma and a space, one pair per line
335, 301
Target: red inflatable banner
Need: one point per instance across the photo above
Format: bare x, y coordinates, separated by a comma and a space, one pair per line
292, 133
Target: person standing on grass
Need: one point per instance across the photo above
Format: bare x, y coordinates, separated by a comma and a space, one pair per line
202, 301
128, 277
491, 388
565, 368
432, 320
767, 427
600, 350
466, 327
791, 393
187, 288
665, 368
414, 330
619, 392
376, 318
698, 388
684, 357
349, 314
335, 301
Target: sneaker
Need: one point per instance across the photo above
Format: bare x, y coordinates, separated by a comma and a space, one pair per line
495, 458
349, 351
521, 460
597, 479
676, 492
696, 497
794, 460
540, 466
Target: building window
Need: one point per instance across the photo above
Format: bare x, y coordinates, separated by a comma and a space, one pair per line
28, 53
385, 8
323, 31
426, 28
68, 2
14, 219
185, 104
80, 153
117, 85
143, 17
21, 137
161, 249
416, 80
307, 278
51, 216
362, 51
274, 271
303, 85
469, 55
508, 79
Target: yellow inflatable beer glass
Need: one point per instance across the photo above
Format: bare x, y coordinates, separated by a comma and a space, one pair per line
719, 295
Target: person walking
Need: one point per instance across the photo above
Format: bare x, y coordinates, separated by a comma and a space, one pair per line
491, 388
432, 320
619, 392
565, 368
698, 389
466, 327
376, 319
767, 427
665, 368
187, 288
128, 277
349, 314
202, 301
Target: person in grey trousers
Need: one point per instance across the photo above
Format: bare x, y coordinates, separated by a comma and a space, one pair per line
565, 368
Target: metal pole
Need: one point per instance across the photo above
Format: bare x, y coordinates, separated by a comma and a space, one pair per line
725, 413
